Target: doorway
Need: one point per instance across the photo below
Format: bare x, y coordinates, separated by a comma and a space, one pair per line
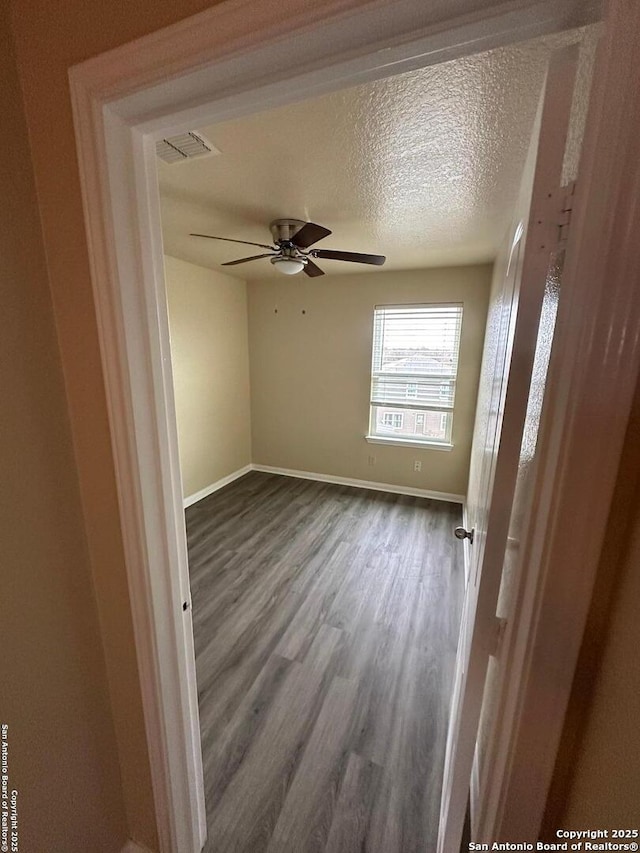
174, 468
286, 316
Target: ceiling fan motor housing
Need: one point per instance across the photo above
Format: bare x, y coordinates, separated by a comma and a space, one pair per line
283, 230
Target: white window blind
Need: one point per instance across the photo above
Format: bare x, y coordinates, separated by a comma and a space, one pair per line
414, 370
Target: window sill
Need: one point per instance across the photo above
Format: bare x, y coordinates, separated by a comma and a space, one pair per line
401, 442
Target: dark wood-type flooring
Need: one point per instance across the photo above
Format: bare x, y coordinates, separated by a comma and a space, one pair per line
325, 623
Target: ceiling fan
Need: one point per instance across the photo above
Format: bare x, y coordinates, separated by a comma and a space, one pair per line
291, 253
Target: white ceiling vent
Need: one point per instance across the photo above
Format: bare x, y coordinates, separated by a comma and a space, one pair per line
185, 146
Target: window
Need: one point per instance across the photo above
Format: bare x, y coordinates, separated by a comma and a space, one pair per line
413, 370
395, 420
412, 391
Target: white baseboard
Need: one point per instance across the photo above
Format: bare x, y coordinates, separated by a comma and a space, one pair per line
330, 478
361, 484
219, 484
134, 847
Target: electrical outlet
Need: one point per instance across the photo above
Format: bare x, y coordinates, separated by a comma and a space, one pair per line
372, 460
417, 465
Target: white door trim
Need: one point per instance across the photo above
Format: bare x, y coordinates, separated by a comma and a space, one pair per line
220, 63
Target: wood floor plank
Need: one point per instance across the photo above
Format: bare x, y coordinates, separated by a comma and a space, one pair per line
325, 626
383, 677
234, 662
307, 813
350, 828
317, 604
249, 809
227, 750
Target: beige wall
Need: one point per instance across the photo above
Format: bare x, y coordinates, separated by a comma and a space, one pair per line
597, 774
310, 373
210, 358
604, 790
53, 685
50, 37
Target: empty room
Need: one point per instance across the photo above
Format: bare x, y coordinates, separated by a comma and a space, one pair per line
321, 425
337, 271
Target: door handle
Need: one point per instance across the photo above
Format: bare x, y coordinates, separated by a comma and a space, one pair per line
461, 533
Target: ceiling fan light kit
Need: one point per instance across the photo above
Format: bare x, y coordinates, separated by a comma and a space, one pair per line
291, 252
288, 266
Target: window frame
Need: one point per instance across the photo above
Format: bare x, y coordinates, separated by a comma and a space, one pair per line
378, 374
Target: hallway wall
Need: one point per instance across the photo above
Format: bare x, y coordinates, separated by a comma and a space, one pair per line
51, 37
605, 786
597, 774
62, 755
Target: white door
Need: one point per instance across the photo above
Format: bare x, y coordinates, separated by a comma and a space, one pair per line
512, 333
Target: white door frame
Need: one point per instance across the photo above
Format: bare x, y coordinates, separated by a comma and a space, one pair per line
219, 64
500, 427
593, 375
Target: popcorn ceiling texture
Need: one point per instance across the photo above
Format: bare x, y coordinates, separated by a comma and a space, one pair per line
423, 167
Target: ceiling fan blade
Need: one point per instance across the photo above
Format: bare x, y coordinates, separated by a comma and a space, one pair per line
354, 257
312, 269
229, 240
244, 260
309, 234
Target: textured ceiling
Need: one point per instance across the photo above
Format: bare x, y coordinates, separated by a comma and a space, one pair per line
422, 167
